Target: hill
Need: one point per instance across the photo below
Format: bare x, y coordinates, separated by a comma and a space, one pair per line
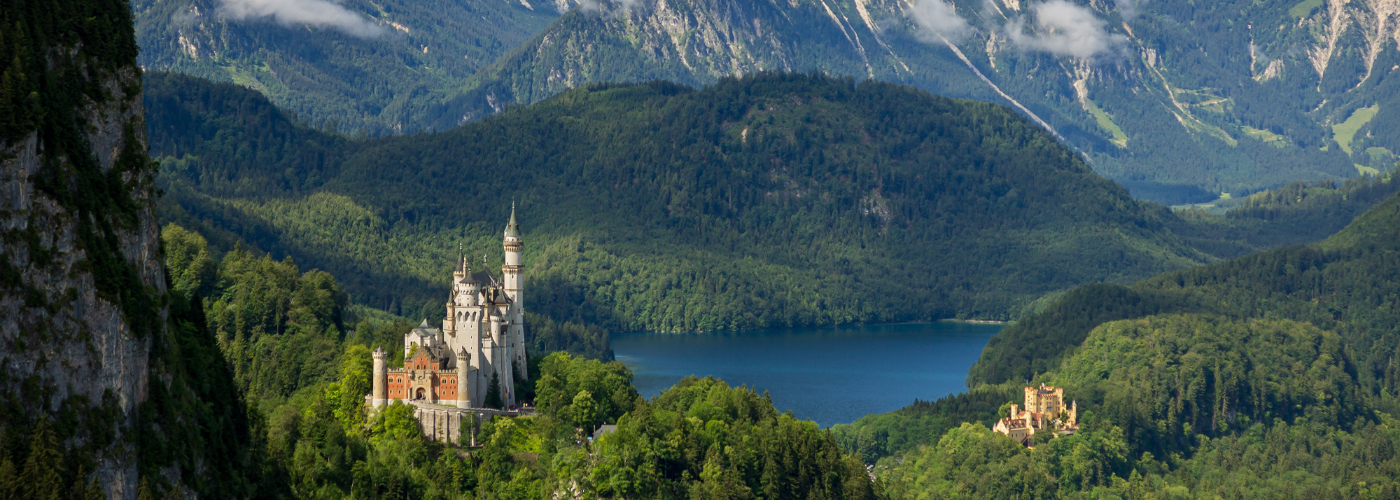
767, 201
1182, 405
1342, 284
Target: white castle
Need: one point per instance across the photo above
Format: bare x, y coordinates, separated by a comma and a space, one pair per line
482, 340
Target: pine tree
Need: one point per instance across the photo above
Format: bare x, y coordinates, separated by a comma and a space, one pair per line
42, 478
93, 490
143, 492
9, 477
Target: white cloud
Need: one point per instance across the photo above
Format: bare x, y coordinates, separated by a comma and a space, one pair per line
617, 8
1129, 8
1065, 29
313, 12
938, 17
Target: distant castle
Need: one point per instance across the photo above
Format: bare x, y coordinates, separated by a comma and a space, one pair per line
481, 342
1044, 411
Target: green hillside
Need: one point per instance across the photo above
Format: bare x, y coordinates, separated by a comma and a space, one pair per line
768, 201
1343, 284
1182, 406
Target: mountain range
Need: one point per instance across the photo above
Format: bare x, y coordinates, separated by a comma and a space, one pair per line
1177, 100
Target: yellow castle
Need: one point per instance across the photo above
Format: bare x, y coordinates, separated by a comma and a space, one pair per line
1044, 410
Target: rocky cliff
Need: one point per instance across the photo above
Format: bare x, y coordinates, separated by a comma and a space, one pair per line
94, 383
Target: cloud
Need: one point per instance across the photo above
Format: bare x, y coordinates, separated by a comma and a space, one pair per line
938, 17
617, 8
1129, 8
313, 12
1065, 29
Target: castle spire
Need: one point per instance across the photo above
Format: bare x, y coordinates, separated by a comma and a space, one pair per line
461, 260
512, 228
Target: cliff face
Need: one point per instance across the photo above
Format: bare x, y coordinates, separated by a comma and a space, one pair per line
82, 287
63, 335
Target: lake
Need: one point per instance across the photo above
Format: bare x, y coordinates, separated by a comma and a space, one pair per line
830, 375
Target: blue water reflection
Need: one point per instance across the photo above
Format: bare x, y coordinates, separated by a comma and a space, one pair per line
830, 375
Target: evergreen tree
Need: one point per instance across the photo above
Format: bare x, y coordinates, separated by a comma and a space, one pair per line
9, 477
143, 492
493, 394
93, 490
42, 478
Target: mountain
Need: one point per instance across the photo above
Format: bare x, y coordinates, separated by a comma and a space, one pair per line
111, 387
1175, 99
767, 201
359, 66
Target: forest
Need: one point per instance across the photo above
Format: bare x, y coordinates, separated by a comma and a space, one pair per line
924, 207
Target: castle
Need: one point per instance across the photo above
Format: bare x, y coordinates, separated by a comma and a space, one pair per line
481, 342
1044, 410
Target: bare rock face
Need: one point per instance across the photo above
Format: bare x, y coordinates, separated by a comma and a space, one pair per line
75, 338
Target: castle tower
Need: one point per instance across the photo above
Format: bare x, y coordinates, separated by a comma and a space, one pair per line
464, 385
380, 379
514, 340
511, 269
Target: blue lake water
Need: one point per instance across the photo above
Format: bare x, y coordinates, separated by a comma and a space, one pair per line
830, 375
